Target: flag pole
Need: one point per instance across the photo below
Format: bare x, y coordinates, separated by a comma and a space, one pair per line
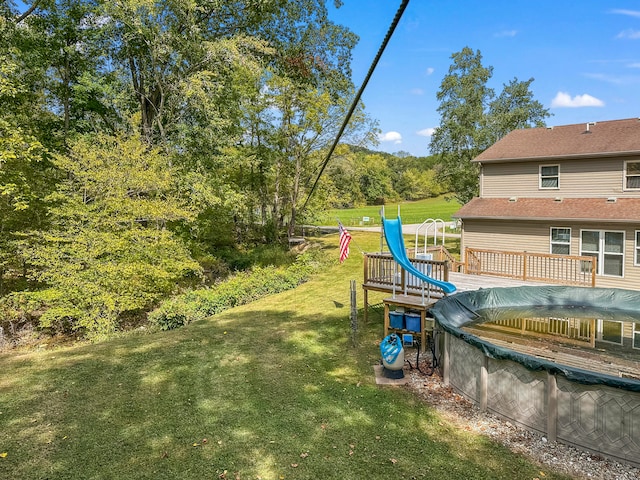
352, 240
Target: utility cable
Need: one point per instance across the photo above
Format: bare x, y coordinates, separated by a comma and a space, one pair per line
354, 104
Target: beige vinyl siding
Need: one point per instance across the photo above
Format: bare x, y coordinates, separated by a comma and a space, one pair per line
602, 177
496, 235
534, 237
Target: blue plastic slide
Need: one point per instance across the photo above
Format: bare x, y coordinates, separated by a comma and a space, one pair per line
395, 242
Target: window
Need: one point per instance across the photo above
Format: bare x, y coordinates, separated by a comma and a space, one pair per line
550, 176
636, 335
632, 175
636, 260
560, 241
607, 247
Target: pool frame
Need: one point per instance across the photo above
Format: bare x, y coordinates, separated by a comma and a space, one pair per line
595, 412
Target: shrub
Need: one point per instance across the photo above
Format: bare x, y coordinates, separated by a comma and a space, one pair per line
240, 289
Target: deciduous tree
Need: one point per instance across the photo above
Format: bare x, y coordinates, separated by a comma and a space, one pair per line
110, 251
471, 119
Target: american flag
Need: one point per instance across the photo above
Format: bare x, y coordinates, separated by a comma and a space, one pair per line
345, 240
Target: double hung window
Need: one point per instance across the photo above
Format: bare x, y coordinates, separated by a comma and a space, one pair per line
550, 176
632, 175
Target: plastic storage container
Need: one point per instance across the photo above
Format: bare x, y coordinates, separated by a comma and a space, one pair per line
412, 321
396, 320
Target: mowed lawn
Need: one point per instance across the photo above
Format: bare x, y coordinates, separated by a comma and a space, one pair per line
271, 390
411, 212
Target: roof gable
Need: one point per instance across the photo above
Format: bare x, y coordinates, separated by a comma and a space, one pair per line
609, 138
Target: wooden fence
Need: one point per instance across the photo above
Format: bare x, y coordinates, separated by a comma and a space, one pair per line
549, 268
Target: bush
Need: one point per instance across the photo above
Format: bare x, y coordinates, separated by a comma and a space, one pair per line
240, 289
174, 313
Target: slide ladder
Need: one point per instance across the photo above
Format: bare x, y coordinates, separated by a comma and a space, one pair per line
438, 225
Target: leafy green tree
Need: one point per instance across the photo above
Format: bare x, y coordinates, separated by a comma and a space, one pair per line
110, 252
471, 119
342, 184
417, 184
515, 108
374, 177
462, 133
233, 100
24, 170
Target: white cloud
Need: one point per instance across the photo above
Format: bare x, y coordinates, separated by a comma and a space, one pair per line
563, 99
430, 71
506, 33
426, 132
417, 91
630, 13
630, 34
634, 65
392, 136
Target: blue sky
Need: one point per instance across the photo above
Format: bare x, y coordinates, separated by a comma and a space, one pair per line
584, 56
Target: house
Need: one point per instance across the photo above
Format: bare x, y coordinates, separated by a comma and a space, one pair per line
571, 190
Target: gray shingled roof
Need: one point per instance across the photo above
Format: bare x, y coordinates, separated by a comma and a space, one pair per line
614, 137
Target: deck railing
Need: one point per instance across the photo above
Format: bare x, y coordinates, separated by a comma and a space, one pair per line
549, 268
381, 270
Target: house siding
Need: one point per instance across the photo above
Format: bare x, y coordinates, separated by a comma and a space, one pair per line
601, 177
534, 237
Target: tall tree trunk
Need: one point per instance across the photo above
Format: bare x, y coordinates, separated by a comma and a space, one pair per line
294, 195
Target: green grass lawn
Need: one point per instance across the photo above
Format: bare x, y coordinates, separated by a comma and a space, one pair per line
411, 212
270, 390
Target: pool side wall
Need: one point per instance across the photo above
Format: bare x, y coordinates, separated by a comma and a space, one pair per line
602, 419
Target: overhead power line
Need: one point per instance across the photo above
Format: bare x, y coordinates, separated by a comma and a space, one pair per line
354, 104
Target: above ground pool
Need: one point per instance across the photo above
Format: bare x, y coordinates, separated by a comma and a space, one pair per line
564, 361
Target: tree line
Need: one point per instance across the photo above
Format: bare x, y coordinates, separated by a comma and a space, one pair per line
139, 139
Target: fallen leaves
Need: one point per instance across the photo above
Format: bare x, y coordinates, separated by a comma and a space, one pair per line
3, 454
